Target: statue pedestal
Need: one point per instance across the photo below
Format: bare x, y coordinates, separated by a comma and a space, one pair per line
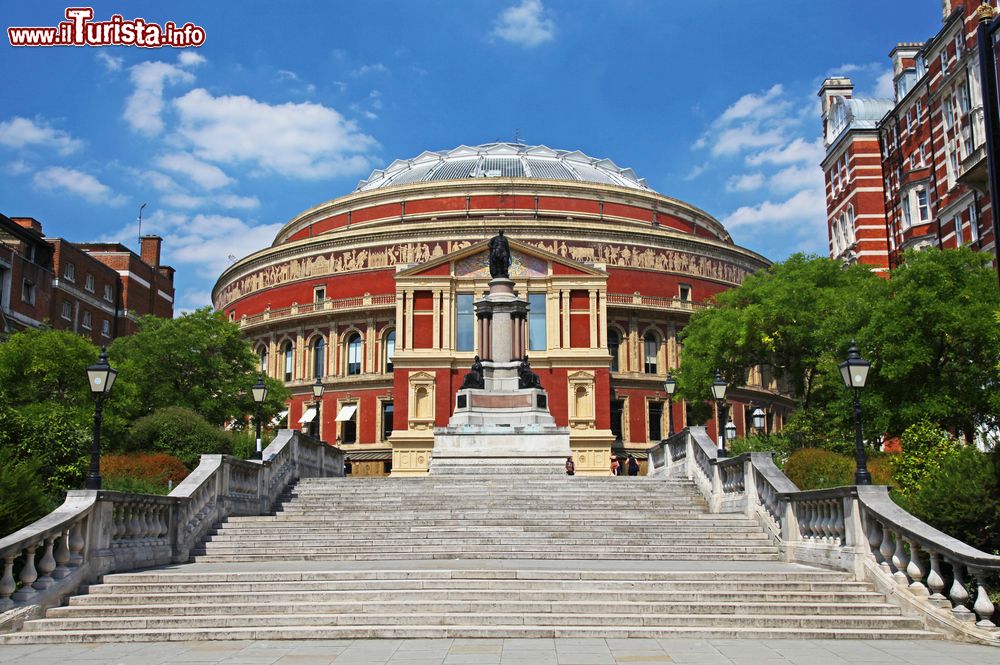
501, 429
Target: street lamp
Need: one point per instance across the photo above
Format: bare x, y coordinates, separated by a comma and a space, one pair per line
670, 386
101, 377
854, 371
719, 393
730, 429
318, 389
759, 419
259, 392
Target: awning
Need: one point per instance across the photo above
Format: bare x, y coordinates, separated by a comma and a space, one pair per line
368, 455
346, 412
308, 416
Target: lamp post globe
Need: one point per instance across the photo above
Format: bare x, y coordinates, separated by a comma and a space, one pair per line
730, 429
719, 388
101, 377
669, 386
259, 392
759, 419
854, 372
317, 389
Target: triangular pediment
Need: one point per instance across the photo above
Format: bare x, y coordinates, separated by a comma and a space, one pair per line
528, 261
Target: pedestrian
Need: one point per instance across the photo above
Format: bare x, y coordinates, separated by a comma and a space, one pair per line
570, 466
614, 466
633, 466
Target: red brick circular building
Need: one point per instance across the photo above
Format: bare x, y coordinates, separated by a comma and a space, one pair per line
372, 292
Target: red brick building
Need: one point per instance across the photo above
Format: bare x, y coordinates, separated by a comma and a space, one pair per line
97, 290
911, 172
372, 293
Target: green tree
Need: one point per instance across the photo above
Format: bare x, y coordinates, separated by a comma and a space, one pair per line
925, 447
40, 365
935, 342
198, 361
797, 317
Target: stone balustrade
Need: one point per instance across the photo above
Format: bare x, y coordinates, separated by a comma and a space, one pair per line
98, 532
858, 529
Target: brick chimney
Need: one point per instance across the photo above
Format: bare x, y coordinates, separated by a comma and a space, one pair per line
28, 223
149, 249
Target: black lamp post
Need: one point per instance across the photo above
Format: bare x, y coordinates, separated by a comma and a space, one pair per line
759, 419
101, 377
259, 392
719, 393
318, 389
854, 371
669, 386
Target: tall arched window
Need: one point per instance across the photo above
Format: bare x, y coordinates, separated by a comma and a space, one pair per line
651, 346
354, 354
319, 357
390, 350
614, 342
289, 361
263, 360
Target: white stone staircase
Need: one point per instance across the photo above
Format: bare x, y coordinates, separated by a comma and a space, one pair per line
479, 557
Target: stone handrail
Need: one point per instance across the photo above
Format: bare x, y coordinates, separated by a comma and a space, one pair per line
96, 532
654, 302
857, 528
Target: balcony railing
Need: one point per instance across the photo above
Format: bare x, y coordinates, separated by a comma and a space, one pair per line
654, 302
364, 302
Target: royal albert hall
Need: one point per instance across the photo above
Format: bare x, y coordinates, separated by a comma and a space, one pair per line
372, 293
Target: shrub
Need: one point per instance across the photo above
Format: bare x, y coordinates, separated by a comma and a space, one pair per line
780, 445
880, 468
961, 498
925, 446
180, 432
58, 438
22, 498
814, 468
135, 486
155, 468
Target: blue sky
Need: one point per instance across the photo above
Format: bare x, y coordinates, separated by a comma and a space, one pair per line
289, 104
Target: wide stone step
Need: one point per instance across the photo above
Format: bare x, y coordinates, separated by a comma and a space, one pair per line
424, 605
489, 555
293, 549
423, 631
405, 538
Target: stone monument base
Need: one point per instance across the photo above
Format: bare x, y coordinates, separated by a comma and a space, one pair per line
500, 450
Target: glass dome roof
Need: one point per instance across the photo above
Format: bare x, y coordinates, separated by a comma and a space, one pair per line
502, 160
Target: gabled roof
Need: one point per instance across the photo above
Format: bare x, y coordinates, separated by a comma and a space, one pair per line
482, 247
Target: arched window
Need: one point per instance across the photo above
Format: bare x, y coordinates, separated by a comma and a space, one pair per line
289, 361
263, 360
390, 350
614, 343
319, 357
849, 231
651, 344
354, 354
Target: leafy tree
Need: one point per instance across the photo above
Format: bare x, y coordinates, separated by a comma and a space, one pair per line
796, 317
935, 342
39, 365
198, 361
23, 498
178, 431
925, 447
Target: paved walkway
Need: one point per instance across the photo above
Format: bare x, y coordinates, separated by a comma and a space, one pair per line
510, 652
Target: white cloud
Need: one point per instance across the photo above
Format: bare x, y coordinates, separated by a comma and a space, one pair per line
695, 171
885, 88
805, 208
374, 68
755, 106
17, 167
190, 300
525, 24
304, 140
21, 132
737, 139
208, 176
144, 107
795, 178
190, 58
797, 151
111, 63
746, 182
84, 185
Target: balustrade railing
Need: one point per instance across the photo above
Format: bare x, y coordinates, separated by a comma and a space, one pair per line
364, 302
858, 529
97, 532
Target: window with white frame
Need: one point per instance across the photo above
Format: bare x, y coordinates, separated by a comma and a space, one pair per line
89, 283
108, 293
907, 214
390, 350
67, 311
106, 328
850, 225
923, 210
973, 224
920, 109
949, 111
923, 153
651, 346
319, 357
944, 61
354, 354
28, 292
964, 95
69, 271
289, 354
87, 320
959, 45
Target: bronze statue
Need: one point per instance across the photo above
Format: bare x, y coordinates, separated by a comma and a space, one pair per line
499, 256
525, 377
474, 379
